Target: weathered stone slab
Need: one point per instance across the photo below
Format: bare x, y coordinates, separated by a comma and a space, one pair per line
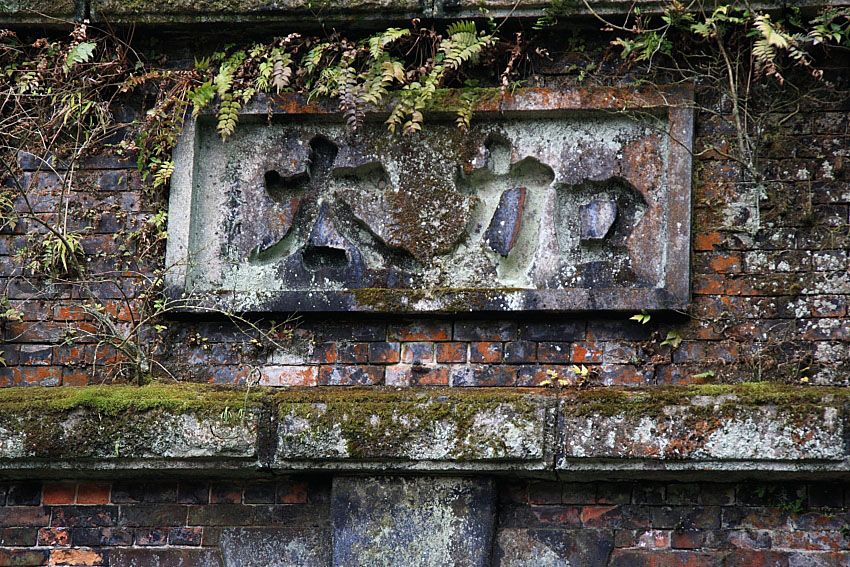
427, 522
422, 431
37, 11
703, 428
578, 9
141, 557
549, 202
745, 430
276, 547
113, 426
149, 435
516, 547
248, 11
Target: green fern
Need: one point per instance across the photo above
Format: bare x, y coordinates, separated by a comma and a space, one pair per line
462, 46
228, 115
201, 97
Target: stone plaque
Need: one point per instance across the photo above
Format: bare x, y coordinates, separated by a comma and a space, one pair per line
551, 200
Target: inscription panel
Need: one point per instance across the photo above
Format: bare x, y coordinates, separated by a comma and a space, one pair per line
551, 200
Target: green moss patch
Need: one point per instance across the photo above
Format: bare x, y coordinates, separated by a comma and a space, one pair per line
652, 401
110, 401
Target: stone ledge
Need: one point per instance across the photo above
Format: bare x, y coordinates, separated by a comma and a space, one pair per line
38, 12
358, 11
368, 13
745, 430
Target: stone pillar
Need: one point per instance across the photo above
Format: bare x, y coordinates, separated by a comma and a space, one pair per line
421, 521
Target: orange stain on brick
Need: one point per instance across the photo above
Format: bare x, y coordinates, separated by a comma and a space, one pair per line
93, 493
707, 242
59, 493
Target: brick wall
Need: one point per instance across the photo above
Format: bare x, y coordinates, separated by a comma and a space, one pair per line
600, 523
769, 281
163, 522
770, 294
769, 304
694, 524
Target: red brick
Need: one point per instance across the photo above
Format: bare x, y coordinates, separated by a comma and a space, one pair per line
352, 353
586, 353
185, 536
707, 284
490, 353
756, 558
485, 331
641, 558
68, 312
24, 537
691, 539
384, 353
653, 539
77, 557
544, 493
94, 493
429, 376
554, 352
23, 557
54, 537
350, 375
74, 377
624, 375
483, 375
292, 492
520, 352
41, 376
226, 492
451, 352
326, 353
417, 352
535, 375
726, 264
73, 354
289, 376
707, 241
59, 493
421, 331
35, 332
152, 537
705, 352
561, 515
597, 516
397, 375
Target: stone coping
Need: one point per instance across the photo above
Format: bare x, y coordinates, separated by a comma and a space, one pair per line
745, 430
700, 431
362, 12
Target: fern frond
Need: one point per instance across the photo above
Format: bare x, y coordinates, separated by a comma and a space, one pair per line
228, 115
378, 42
201, 97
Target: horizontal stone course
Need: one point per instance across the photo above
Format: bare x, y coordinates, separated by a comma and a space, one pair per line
558, 432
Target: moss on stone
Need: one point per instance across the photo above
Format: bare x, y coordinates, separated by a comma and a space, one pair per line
652, 401
95, 421
372, 422
383, 423
111, 401
452, 300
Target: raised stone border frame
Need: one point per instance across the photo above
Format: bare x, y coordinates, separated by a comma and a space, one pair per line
674, 102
